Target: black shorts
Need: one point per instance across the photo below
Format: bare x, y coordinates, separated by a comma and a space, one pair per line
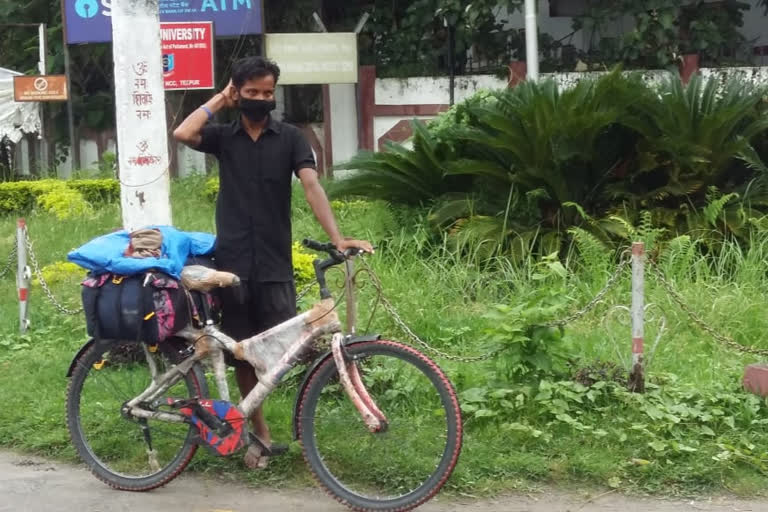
254, 307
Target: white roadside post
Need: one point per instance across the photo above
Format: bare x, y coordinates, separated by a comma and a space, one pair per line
531, 40
23, 274
637, 374
142, 139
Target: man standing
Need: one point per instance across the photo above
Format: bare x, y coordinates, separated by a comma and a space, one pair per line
257, 157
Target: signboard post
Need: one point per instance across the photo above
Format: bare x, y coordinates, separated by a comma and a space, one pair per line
89, 21
142, 138
187, 55
318, 58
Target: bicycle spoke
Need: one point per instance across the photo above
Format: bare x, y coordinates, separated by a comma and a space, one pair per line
401, 462
116, 442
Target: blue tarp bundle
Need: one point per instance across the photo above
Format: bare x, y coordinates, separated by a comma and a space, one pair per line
105, 253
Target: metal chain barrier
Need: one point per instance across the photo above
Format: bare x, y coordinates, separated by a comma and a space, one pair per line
36, 268
472, 359
597, 298
305, 290
9, 262
725, 340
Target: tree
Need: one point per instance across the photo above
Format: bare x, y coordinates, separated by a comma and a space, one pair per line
419, 28
19, 47
402, 37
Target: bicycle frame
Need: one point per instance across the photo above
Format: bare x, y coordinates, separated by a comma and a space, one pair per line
272, 354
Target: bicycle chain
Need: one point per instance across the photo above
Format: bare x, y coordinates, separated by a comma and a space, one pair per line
725, 340
472, 359
36, 268
9, 262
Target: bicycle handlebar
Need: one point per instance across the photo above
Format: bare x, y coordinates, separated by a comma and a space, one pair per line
330, 249
318, 246
335, 257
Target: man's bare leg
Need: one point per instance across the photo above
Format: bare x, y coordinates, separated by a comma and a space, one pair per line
246, 381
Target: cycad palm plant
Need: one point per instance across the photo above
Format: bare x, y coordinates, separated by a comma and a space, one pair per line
399, 174
540, 159
696, 140
556, 149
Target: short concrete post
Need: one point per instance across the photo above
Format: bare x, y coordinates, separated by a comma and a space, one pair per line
637, 374
22, 274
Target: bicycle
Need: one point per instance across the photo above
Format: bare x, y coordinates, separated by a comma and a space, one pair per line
393, 388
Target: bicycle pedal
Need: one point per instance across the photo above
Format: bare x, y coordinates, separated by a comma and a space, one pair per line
273, 450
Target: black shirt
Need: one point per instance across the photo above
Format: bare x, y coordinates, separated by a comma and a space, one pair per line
253, 209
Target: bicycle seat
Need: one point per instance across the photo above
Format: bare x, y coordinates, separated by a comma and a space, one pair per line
203, 279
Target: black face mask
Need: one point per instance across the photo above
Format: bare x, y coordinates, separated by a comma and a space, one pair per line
256, 110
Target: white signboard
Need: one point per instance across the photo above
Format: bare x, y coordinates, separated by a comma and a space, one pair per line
315, 58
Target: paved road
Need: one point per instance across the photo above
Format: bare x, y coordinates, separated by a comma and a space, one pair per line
31, 484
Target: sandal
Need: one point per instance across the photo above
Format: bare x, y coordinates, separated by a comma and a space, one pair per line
254, 459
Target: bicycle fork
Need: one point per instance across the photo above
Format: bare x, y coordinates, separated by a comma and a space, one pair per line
349, 375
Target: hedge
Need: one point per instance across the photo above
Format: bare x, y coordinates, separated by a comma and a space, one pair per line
22, 196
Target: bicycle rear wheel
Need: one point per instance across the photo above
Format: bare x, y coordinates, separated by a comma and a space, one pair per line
114, 446
402, 467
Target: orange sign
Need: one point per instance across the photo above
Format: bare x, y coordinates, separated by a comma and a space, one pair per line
40, 88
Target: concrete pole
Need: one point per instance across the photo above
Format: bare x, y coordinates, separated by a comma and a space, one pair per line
452, 62
74, 153
637, 373
531, 40
142, 139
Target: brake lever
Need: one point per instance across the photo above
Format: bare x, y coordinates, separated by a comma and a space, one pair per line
352, 251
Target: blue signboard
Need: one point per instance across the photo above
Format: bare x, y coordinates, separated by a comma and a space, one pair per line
90, 21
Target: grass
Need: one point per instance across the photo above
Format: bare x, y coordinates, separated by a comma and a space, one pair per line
694, 432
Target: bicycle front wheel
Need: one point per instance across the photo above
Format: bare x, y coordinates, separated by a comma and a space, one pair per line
397, 469
125, 452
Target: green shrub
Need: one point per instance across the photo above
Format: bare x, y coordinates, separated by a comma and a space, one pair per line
211, 189
64, 203
16, 197
61, 272
303, 269
97, 191
531, 350
60, 195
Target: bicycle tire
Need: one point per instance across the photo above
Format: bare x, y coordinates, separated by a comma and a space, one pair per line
196, 385
324, 374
